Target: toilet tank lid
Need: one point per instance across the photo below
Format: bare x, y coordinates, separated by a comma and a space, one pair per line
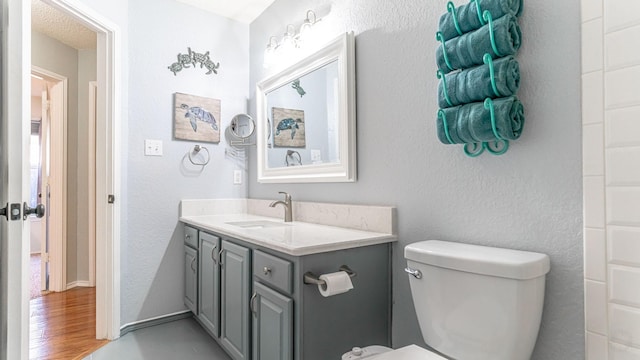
507, 263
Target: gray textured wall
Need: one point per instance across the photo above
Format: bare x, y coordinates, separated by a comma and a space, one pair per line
530, 198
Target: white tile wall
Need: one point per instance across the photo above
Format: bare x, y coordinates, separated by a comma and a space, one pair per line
595, 259
624, 325
594, 210
624, 285
618, 53
623, 352
591, 9
592, 45
596, 306
623, 245
611, 169
622, 127
623, 206
621, 13
621, 87
596, 346
619, 171
592, 97
592, 145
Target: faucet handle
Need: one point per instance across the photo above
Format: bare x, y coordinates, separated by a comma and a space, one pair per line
287, 197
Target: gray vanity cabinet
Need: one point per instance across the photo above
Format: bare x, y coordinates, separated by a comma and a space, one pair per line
209, 283
272, 324
191, 268
191, 278
235, 263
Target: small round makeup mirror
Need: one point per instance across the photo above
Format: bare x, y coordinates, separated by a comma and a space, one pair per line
242, 126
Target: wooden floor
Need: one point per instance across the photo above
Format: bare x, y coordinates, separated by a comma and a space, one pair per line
63, 325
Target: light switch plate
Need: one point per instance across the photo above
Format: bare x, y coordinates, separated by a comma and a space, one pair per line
237, 177
153, 147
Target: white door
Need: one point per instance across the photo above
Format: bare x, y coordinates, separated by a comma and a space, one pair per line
14, 169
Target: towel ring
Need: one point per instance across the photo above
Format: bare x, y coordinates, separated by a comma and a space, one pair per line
445, 125
452, 9
479, 11
440, 75
489, 18
489, 61
440, 38
196, 150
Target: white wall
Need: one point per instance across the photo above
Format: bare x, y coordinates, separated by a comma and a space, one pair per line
611, 154
55, 56
152, 242
529, 198
86, 74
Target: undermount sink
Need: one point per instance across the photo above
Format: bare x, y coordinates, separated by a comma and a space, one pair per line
257, 224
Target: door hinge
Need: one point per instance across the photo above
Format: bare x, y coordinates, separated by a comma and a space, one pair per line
44, 257
111, 198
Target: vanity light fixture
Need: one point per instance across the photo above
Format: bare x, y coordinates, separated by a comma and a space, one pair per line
307, 28
270, 52
278, 51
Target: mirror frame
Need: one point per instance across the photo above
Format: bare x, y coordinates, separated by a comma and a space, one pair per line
342, 50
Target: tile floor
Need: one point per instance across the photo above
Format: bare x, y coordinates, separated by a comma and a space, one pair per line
182, 339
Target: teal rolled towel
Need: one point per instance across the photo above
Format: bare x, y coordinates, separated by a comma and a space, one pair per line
467, 15
471, 123
474, 84
467, 50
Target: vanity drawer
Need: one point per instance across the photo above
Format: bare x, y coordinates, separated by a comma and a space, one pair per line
273, 270
191, 237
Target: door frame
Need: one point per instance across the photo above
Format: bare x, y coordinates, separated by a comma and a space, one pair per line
58, 149
108, 163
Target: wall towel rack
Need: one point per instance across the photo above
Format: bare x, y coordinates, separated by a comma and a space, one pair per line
196, 150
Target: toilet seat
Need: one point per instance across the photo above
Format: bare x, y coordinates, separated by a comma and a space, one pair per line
411, 352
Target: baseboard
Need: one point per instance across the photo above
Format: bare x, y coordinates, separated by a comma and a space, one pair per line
73, 284
137, 325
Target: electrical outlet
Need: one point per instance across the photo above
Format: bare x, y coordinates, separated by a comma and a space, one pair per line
237, 177
316, 155
153, 147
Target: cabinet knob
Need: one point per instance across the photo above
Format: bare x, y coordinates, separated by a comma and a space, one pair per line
187, 236
267, 270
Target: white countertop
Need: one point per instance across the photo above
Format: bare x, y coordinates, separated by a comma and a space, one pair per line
294, 238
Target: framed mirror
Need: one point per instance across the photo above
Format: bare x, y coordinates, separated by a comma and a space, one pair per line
307, 118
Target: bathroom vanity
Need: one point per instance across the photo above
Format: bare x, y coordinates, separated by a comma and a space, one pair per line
244, 282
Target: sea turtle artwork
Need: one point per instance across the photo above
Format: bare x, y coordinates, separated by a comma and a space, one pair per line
191, 59
288, 124
175, 67
299, 89
195, 113
289, 127
211, 66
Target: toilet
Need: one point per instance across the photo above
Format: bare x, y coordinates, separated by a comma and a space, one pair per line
472, 303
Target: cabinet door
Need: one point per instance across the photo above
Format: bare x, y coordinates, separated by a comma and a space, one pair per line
209, 283
191, 279
235, 290
272, 324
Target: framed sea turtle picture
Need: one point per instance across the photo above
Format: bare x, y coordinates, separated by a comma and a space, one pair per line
288, 127
196, 118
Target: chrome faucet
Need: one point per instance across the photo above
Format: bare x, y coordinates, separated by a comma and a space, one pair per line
287, 206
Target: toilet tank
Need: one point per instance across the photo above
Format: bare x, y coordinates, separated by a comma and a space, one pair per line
477, 302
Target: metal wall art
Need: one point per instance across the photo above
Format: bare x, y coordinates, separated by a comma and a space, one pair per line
191, 59
196, 118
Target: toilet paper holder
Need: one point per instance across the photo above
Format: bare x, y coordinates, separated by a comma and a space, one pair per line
313, 279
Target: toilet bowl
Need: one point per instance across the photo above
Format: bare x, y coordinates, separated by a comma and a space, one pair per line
472, 302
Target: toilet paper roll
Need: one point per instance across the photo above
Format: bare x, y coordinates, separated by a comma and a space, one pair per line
335, 283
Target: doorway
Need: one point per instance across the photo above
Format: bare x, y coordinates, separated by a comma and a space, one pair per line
14, 132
